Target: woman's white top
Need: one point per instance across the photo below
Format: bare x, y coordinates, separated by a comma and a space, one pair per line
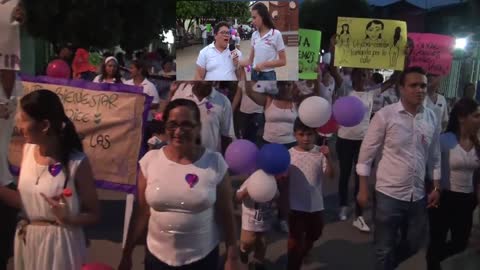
266, 48
97, 80
458, 167
182, 227
51, 247
279, 124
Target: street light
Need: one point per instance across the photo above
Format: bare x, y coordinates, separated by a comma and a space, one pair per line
461, 43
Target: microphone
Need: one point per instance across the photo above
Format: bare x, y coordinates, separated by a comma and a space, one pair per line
232, 48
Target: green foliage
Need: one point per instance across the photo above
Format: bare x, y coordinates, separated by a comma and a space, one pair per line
99, 23
322, 15
211, 10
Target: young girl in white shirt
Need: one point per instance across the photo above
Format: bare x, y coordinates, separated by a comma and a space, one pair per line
110, 72
257, 220
268, 49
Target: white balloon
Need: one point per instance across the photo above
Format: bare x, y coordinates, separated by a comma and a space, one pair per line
315, 111
261, 187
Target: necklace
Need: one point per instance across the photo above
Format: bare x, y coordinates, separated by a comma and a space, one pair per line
39, 174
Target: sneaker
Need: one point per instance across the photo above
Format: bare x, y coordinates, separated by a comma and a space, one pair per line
343, 215
243, 257
284, 226
360, 224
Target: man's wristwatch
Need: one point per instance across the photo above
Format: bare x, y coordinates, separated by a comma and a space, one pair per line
437, 189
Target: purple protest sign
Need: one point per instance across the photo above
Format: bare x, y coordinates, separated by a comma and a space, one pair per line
432, 52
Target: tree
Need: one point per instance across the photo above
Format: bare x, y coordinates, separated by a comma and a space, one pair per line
202, 11
99, 23
322, 15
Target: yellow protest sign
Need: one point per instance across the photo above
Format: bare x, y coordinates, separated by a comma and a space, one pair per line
370, 43
109, 119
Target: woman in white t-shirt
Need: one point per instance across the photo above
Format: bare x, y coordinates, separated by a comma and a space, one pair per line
110, 72
268, 49
460, 159
185, 199
280, 114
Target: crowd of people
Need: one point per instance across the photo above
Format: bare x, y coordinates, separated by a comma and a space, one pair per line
425, 155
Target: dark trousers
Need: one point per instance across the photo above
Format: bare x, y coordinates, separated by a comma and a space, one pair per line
304, 229
454, 214
248, 125
347, 152
400, 228
7, 231
209, 262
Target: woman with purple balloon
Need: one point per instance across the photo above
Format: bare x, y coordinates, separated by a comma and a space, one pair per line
352, 113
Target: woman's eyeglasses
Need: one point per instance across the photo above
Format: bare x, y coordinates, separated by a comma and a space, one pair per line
185, 126
224, 33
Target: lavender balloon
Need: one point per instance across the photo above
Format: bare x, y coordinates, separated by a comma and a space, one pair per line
241, 156
348, 111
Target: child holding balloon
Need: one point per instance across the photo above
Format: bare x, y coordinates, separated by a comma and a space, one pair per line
310, 165
257, 218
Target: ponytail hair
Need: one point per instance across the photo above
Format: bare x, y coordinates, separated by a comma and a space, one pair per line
43, 105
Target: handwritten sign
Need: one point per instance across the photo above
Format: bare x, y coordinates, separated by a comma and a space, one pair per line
370, 43
432, 52
109, 119
308, 53
9, 37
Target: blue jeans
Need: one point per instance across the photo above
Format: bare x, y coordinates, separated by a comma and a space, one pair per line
400, 230
204, 42
264, 76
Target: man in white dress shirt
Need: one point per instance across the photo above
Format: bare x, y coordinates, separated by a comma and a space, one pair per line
215, 112
435, 101
407, 135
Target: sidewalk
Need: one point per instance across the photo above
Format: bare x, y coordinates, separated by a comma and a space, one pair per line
187, 57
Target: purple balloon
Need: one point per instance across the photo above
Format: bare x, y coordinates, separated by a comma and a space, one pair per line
241, 156
348, 111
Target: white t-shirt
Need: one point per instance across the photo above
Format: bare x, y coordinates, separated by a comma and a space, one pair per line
247, 105
182, 227
148, 88
216, 121
458, 167
266, 48
7, 126
279, 124
306, 174
440, 108
256, 217
218, 65
203, 29
358, 132
97, 80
